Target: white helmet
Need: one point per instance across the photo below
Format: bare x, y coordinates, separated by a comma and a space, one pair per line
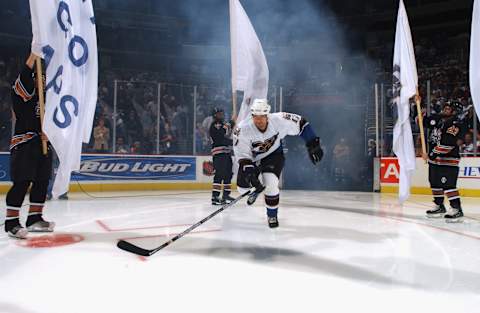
260, 107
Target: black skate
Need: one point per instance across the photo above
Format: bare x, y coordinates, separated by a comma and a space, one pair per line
438, 212
41, 227
273, 222
227, 199
454, 216
253, 196
217, 201
18, 232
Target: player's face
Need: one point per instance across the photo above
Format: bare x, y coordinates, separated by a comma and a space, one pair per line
219, 115
447, 111
260, 121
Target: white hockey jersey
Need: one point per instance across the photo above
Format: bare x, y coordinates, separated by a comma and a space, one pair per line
252, 144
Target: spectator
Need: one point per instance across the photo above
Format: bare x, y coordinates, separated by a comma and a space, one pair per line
372, 148
136, 148
101, 135
478, 142
467, 148
132, 126
121, 147
202, 140
341, 150
207, 122
5, 124
168, 141
341, 158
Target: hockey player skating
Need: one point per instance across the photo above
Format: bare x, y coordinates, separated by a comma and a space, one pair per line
28, 165
258, 150
221, 136
443, 159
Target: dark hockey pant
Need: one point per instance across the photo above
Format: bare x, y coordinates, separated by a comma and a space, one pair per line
443, 181
222, 164
28, 166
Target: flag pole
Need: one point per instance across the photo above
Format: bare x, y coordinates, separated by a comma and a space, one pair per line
420, 123
233, 59
41, 99
234, 105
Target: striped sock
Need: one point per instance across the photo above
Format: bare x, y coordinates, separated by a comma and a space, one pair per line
12, 219
438, 196
35, 213
216, 190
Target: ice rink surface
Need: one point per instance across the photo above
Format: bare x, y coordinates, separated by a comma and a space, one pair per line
333, 252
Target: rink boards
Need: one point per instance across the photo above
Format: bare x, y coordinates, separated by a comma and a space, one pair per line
468, 178
110, 172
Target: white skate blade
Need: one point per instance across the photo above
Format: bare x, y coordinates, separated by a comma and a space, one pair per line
454, 220
436, 215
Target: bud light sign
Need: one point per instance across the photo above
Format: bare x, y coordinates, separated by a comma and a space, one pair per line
4, 167
101, 167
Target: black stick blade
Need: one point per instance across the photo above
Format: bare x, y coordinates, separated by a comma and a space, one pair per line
127, 246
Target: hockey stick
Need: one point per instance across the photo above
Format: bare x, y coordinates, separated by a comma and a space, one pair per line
127, 246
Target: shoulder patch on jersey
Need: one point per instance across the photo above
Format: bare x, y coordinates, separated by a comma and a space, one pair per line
291, 117
453, 130
433, 122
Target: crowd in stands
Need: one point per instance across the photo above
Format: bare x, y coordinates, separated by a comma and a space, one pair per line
147, 124
9, 68
143, 122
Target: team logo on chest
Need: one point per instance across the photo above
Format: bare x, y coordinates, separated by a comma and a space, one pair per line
259, 147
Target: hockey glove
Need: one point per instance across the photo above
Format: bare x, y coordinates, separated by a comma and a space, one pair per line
249, 171
315, 152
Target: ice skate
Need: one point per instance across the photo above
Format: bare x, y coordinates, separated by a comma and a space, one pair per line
217, 201
227, 199
273, 222
41, 227
438, 212
18, 232
454, 216
253, 196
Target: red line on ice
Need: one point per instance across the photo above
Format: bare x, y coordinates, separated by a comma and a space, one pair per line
103, 225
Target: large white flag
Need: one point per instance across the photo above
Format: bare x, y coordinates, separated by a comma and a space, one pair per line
249, 65
405, 82
64, 35
475, 57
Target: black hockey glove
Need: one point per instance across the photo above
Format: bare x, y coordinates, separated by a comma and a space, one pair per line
249, 171
315, 152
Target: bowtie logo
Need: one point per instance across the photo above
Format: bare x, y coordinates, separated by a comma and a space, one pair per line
259, 147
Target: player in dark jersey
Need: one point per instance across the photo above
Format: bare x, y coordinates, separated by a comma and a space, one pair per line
29, 167
443, 160
221, 136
